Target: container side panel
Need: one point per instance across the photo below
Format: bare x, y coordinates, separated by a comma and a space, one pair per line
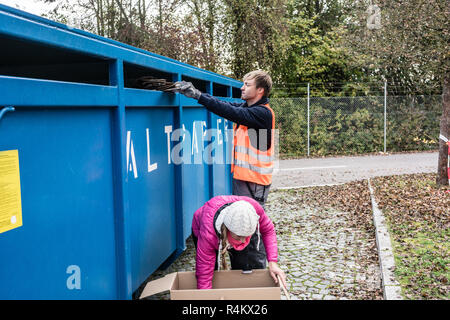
195, 170
151, 189
222, 152
65, 248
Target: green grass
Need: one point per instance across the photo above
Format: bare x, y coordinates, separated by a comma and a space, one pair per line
417, 213
422, 262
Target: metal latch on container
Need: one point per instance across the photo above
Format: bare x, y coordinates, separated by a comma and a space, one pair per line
6, 109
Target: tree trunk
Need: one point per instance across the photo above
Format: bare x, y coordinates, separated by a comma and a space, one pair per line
442, 175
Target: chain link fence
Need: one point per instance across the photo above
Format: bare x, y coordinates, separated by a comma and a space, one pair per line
316, 126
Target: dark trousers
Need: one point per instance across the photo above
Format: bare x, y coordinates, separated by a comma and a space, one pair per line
251, 190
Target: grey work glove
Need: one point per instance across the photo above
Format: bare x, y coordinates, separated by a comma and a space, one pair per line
186, 88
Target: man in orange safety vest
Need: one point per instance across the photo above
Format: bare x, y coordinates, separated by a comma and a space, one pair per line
253, 132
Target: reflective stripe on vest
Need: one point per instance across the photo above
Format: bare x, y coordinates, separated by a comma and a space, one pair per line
251, 153
249, 163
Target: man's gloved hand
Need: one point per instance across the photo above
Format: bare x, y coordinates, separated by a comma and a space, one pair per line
186, 88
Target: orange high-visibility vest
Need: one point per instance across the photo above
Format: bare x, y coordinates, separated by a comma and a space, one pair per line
249, 163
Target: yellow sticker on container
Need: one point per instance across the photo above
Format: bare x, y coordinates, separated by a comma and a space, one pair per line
10, 200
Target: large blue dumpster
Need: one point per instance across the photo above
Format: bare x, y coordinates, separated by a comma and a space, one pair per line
93, 195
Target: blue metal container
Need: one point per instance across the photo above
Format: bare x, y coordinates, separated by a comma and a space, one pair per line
104, 198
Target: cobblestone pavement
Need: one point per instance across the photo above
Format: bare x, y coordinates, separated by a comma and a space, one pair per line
324, 258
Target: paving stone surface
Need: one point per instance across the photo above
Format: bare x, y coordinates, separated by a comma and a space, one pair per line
324, 258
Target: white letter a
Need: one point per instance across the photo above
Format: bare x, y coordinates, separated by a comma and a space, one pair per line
130, 149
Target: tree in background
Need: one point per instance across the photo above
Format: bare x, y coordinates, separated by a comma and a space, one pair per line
256, 32
232, 37
311, 54
409, 49
325, 14
120, 20
153, 25
206, 22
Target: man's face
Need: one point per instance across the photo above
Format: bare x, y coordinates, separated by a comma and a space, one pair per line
249, 90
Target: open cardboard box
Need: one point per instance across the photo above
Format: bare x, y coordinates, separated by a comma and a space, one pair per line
227, 285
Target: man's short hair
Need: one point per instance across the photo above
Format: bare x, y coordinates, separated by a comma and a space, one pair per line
262, 80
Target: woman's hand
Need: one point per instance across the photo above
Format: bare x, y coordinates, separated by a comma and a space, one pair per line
275, 270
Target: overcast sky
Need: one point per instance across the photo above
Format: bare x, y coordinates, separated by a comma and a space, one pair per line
38, 7
31, 6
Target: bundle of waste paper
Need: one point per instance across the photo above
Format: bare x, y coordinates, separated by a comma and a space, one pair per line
152, 83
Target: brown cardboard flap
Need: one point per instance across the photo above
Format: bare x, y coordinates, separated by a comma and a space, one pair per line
270, 293
237, 279
159, 285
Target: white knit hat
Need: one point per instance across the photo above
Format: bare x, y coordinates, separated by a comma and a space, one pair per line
241, 218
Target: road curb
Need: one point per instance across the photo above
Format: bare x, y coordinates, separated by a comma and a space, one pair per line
391, 287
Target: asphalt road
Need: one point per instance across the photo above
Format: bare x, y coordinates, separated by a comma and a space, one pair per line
336, 170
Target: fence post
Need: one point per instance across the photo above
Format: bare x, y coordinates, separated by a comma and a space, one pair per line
308, 117
385, 106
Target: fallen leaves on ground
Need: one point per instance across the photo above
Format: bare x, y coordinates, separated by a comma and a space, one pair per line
353, 198
418, 214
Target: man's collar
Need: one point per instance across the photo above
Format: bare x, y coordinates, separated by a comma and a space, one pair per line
263, 100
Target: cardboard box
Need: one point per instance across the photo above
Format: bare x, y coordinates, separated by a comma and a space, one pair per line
227, 285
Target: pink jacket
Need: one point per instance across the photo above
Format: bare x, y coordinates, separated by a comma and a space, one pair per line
208, 242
